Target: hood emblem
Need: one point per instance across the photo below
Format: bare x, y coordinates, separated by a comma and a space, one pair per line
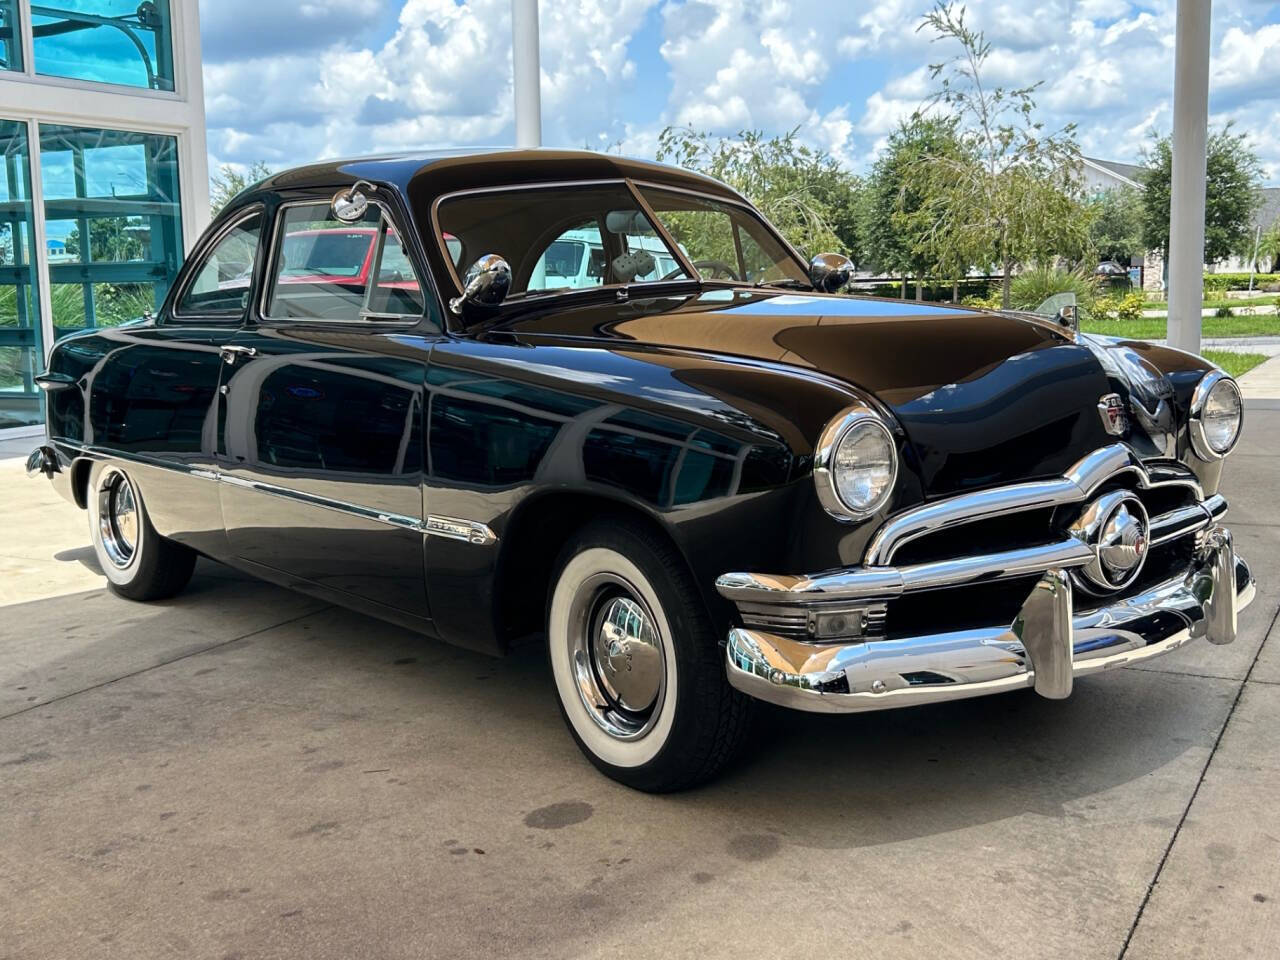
1115, 419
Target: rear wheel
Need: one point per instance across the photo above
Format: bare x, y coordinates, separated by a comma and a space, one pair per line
138, 562
638, 672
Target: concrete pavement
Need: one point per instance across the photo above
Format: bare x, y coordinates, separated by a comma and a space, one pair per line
243, 772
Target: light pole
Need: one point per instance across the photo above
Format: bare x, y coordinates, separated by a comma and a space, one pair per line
1190, 138
527, 72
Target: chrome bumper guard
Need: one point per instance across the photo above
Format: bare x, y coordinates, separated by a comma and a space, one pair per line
1047, 645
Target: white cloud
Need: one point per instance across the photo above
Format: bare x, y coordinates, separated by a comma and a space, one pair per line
299, 83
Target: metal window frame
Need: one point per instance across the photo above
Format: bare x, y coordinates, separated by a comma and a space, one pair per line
192, 268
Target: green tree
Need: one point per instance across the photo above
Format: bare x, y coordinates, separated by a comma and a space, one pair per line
1015, 189
230, 180
898, 228
804, 192
111, 240
1116, 229
1232, 176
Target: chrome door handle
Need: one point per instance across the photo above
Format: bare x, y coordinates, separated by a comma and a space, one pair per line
230, 353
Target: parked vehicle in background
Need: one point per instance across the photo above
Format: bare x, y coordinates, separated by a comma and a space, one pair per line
566, 394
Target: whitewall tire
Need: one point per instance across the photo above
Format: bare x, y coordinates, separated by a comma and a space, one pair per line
137, 561
638, 674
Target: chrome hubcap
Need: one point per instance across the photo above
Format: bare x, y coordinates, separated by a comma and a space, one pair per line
118, 518
618, 657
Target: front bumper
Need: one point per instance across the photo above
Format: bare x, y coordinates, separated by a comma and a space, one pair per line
1046, 646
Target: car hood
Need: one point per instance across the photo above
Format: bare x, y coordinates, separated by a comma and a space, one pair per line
984, 398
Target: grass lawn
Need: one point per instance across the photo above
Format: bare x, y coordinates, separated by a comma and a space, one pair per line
1236, 364
1154, 328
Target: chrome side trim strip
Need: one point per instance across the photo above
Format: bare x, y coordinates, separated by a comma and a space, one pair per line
451, 528
1076, 486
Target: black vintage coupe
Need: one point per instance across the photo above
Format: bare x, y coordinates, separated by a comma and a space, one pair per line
510, 393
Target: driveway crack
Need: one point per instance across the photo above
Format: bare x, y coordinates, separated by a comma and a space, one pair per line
163, 663
1164, 858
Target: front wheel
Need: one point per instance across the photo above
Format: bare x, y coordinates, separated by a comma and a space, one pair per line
638, 672
138, 562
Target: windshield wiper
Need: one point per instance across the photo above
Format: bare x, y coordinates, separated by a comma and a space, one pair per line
789, 282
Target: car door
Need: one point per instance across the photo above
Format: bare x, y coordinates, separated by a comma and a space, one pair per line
320, 446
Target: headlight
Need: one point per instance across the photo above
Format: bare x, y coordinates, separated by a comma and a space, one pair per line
855, 464
1216, 415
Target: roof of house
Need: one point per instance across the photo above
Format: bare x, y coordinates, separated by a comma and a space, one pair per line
1126, 171
1268, 209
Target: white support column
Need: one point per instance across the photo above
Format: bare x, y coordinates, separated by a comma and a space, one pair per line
1190, 137
527, 72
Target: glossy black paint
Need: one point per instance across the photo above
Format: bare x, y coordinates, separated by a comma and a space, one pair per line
315, 462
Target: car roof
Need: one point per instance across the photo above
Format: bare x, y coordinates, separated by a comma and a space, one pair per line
425, 175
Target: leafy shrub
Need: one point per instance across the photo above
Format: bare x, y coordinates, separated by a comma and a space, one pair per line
1035, 285
1218, 282
1223, 311
990, 302
1127, 307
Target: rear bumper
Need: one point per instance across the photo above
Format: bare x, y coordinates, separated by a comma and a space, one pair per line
1048, 644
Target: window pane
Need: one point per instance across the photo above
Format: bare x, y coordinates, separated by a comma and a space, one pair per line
113, 223
106, 41
322, 265
21, 342
10, 38
221, 288
601, 222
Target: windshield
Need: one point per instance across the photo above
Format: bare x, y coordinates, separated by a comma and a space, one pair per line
724, 240
574, 237
558, 238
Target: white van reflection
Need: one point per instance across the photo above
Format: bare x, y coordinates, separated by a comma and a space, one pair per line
576, 259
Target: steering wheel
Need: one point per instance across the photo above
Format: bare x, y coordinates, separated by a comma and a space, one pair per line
714, 266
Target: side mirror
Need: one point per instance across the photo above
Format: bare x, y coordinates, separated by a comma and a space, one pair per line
1068, 316
350, 203
485, 285
829, 272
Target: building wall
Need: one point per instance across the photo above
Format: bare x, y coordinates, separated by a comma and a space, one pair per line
104, 183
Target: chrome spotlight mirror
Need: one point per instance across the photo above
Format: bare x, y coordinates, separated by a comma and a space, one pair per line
1069, 316
350, 203
829, 272
1062, 309
486, 284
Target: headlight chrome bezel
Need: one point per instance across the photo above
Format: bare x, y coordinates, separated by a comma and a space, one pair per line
1199, 398
824, 462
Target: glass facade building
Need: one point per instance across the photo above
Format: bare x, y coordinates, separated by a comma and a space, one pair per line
105, 181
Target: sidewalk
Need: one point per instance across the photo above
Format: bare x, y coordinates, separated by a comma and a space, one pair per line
1263, 381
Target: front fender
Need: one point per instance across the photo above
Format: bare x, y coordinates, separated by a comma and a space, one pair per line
718, 451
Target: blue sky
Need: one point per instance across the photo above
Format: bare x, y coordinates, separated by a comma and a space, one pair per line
286, 83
